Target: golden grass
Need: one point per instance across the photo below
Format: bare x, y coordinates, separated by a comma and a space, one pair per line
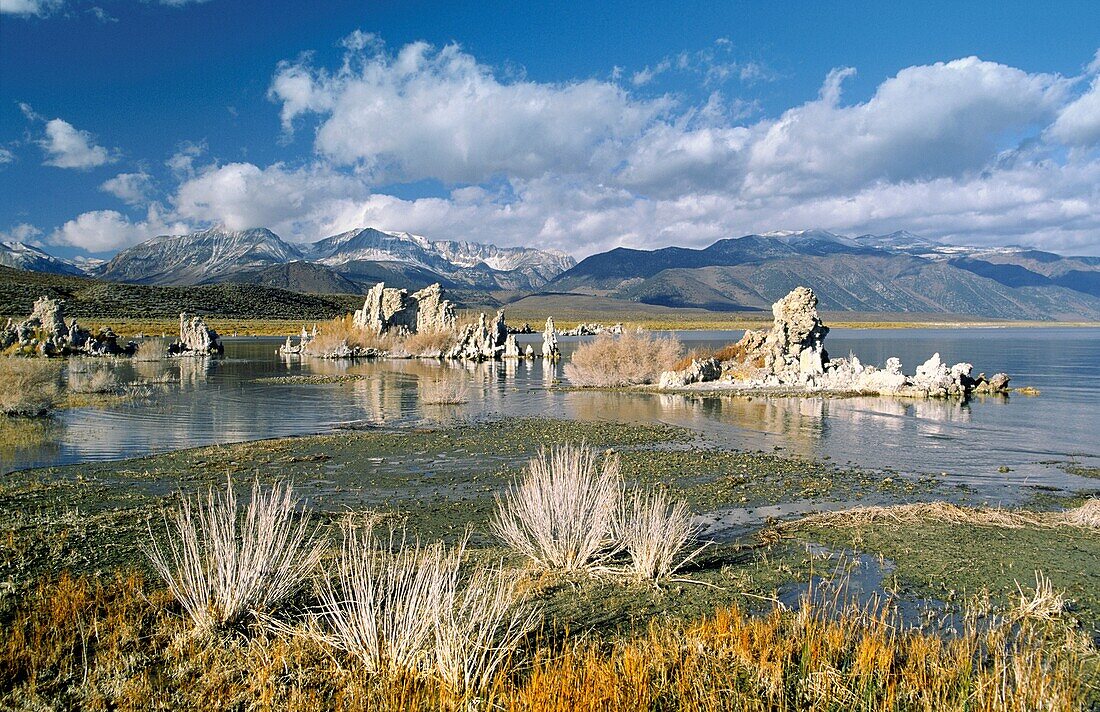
1087, 515
342, 330
120, 644
630, 359
28, 386
431, 344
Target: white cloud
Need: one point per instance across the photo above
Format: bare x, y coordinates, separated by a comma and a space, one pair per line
23, 232
107, 230
69, 147
1078, 124
938, 120
242, 195
968, 150
130, 188
29, 8
428, 113
6, 155
182, 162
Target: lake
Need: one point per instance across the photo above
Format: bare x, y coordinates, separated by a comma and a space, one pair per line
208, 401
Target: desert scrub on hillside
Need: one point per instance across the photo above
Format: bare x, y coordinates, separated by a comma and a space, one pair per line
627, 360
28, 386
222, 562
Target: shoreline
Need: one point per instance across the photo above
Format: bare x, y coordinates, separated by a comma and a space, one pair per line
281, 328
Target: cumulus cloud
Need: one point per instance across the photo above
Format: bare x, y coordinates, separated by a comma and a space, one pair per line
438, 113
926, 122
23, 232
107, 230
242, 195
968, 150
69, 147
1078, 123
29, 8
130, 188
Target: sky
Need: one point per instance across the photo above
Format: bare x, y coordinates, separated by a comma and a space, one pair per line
637, 124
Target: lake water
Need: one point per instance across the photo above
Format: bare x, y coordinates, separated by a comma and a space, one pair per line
209, 401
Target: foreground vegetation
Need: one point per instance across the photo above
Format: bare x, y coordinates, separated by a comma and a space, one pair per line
91, 628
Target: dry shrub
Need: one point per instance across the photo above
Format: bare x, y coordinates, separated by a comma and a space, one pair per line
28, 386
152, 349
630, 359
404, 609
444, 389
1043, 602
430, 344
561, 514
333, 334
223, 563
100, 378
1087, 515
656, 533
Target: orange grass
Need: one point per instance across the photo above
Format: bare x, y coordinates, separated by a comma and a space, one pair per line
118, 644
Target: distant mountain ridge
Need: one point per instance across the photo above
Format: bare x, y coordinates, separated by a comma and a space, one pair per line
895, 272
899, 272
337, 262
20, 255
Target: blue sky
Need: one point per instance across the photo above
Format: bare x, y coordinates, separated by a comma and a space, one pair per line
639, 124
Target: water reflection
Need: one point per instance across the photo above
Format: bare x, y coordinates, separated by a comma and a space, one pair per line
233, 398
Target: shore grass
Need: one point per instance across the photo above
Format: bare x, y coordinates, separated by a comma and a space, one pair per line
90, 629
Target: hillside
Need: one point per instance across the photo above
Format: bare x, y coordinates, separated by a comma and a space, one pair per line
88, 298
867, 274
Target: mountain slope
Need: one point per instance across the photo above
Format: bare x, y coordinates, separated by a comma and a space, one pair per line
847, 274
468, 263
20, 255
200, 257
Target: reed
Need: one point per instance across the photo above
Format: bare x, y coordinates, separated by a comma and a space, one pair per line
222, 562
560, 515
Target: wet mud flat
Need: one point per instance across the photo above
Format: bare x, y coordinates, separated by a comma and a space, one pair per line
440, 482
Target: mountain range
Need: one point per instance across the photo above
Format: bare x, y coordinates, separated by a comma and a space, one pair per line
896, 272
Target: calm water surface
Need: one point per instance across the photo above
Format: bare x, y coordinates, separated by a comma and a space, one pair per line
211, 401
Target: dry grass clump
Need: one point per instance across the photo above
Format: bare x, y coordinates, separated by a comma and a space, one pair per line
561, 514
444, 389
921, 512
430, 344
28, 387
630, 359
1043, 602
404, 609
342, 331
114, 644
655, 532
223, 562
152, 349
99, 378
1087, 515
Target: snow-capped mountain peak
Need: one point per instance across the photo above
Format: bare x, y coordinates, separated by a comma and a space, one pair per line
20, 255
